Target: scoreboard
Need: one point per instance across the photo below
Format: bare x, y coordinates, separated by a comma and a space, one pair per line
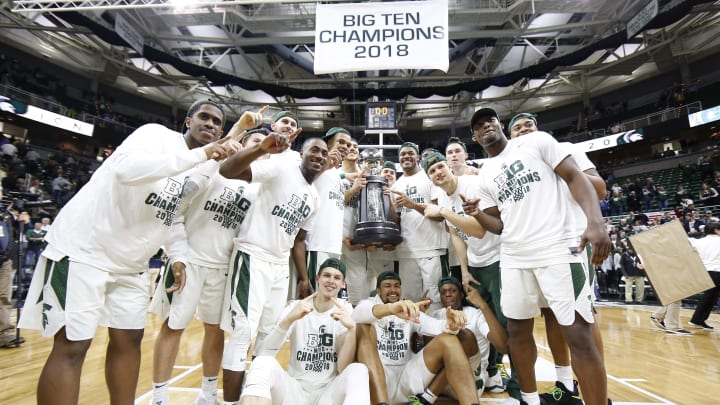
380, 115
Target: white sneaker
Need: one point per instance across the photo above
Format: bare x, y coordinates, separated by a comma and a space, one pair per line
495, 384
510, 401
202, 399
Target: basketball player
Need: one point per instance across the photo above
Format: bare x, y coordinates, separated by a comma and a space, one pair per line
519, 184
200, 242
284, 209
322, 346
385, 324
565, 390
94, 269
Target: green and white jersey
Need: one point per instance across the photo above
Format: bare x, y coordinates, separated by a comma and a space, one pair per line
584, 164
285, 203
480, 252
538, 223
204, 233
350, 214
121, 217
393, 333
477, 324
326, 235
313, 346
421, 237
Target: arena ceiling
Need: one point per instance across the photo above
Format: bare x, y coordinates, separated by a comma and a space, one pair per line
517, 55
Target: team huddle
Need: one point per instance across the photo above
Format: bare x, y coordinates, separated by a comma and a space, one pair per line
247, 222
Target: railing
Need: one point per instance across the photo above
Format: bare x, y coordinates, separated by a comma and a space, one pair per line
50, 105
638, 122
662, 116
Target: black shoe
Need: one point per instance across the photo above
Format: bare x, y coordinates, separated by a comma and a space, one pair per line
702, 324
14, 342
561, 395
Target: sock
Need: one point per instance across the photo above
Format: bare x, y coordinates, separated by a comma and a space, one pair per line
565, 376
429, 396
531, 398
160, 393
209, 387
231, 402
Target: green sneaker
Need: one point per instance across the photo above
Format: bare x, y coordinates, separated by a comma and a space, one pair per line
417, 400
561, 395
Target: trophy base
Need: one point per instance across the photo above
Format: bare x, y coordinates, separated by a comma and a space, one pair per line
377, 234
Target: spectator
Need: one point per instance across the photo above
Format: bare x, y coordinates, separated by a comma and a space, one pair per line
647, 199
707, 195
617, 204
60, 185
633, 202
35, 244
632, 270
661, 197
681, 194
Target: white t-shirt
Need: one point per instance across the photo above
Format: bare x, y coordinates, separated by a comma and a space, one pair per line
121, 217
421, 237
584, 164
326, 235
477, 324
480, 252
350, 214
204, 234
393, 333
709, 250
313, 347
538, 224
285, 203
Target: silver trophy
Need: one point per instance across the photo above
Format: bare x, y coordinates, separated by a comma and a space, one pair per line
375, 226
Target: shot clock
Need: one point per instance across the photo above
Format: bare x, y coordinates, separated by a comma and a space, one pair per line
380, 115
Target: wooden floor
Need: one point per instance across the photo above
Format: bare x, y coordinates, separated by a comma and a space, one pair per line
644, 366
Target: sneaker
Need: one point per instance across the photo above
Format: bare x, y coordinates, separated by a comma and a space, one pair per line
417, 399
503, 373
702, 324
679, 331
561, 395
495, 384
657, 322
203, 399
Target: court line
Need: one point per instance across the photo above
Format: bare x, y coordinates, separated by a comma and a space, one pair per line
624, 381
182, 375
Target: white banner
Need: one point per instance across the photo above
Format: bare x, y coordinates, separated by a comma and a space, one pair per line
59, 121
610, 141
379, 36
129, 34
642, 18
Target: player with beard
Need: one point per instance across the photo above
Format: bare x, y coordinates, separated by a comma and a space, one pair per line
385, 324
520, 125
422, 254
322, 342
478, 252
520, 182
481, 329
283, 211
94, 271
325, 239
200, 243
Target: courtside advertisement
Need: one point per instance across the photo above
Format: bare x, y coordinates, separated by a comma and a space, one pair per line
381, 36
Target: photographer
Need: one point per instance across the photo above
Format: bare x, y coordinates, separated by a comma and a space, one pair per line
8, 251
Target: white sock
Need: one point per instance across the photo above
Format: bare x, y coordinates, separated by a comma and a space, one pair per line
429, 396
231, 402
160, 393
531, 398
209, 386
565, 376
